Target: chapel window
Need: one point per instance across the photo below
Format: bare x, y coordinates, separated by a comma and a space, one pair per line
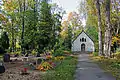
85, 40
82, 39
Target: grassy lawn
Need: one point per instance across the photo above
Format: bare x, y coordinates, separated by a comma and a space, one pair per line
108, 64
65, 71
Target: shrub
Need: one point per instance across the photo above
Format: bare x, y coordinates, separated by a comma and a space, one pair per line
117, 55
67, 52
118, 50
58, 58
34, 52
116, 65
95, 53
45, 66
18, 52
58, 52
48, 57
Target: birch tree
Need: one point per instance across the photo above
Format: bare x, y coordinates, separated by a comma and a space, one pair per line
108, 35
99, 27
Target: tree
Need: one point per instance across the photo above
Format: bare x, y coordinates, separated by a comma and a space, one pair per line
4, 41
75, 23
57, 15
31, 24
45, 25
99, 27
23, 26
71, 28
10, 24
93, 33
108, 35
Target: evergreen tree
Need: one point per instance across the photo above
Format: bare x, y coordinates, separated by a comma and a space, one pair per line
45, 26
4, 41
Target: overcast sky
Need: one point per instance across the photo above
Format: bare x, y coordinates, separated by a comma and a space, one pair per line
67, 5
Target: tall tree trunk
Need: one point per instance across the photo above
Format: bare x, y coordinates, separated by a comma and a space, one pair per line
23, 25
108, 35
99, 27
12, 38
117, 14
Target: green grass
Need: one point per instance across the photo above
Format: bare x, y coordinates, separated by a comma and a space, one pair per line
65, 71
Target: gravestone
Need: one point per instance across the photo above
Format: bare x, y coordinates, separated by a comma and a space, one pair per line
2, 68
6, 58
39, 61
16, 55
31, 66
38, 55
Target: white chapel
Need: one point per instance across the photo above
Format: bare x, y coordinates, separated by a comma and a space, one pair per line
83, 43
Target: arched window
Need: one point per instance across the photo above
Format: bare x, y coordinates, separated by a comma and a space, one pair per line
85, 40
82, 39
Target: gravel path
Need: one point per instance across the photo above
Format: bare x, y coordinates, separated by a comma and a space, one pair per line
87, 70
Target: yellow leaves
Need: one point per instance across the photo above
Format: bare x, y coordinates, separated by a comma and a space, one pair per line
44, 66
115, 39
70, 16
92, 12
63, 34
10, 5
64, 29
2, 17
65, 23
49, 57
58, 58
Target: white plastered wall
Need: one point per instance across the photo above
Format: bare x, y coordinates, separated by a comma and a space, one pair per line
89, 45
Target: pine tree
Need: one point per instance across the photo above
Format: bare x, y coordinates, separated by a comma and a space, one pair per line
45, 25
4, 41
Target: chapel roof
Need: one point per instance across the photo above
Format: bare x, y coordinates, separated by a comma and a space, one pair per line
80, 34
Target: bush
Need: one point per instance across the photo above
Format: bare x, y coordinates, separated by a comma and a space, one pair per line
58, 58
34, 52
117, 55
44, 66
58, 52
95, 53
118, 50
18, 52
116, 65
67, 52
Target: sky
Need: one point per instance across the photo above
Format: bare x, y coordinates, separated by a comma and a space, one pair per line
68, 6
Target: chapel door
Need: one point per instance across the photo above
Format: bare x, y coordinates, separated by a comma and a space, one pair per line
83, 47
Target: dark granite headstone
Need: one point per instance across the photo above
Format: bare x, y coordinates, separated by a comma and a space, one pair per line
16, 55
39, 61
6, 58
31, 66
2, 68
38, 55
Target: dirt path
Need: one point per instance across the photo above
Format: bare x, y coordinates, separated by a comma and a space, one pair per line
87, 70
